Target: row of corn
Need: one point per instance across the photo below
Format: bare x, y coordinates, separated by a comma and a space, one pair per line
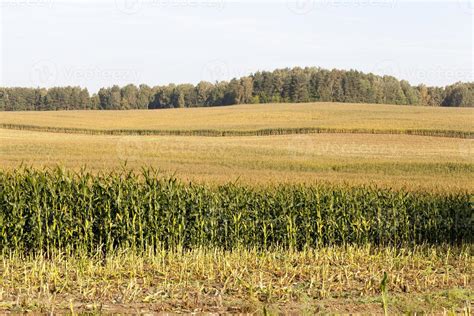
46, 210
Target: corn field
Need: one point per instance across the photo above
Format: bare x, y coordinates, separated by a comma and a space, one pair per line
53, 209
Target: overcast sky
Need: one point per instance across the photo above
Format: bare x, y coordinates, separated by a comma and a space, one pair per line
57, 43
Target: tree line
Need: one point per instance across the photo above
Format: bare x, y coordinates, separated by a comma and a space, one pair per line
297, 84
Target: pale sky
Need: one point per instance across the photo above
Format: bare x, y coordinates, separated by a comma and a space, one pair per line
56, 43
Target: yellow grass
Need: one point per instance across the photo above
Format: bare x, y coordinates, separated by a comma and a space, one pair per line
251, 117
327, 280
394, 160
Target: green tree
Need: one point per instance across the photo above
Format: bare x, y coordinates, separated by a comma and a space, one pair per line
203, 93
129, 97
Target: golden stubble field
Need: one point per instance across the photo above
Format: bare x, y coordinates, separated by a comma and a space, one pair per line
389, 160
338, 280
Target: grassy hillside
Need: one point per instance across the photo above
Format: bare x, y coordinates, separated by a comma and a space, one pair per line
392, 160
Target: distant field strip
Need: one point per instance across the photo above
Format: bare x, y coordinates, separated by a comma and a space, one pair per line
256, 117
392, 160
258, 132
